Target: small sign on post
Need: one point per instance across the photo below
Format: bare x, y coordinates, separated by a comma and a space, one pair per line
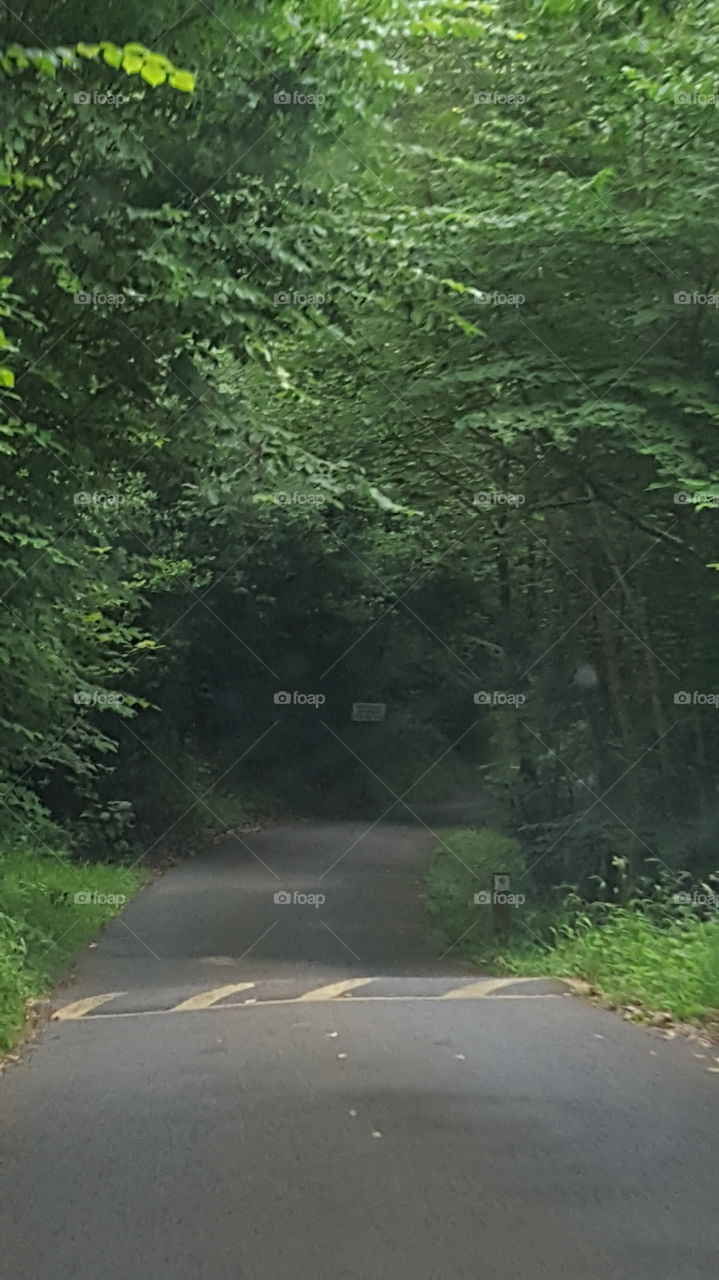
368, 711
501, 906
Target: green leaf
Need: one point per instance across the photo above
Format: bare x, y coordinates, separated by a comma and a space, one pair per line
183, 80
87, 50
15, 51
46, 64
132, 63
111, 54
153, 72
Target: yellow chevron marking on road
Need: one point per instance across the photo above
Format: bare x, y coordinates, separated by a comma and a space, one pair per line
475, 990
209, 1000
334, 989
206, 999
274, 1004
70, 1012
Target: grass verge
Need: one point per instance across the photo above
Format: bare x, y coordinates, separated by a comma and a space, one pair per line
632, 959
50, 907
649, 954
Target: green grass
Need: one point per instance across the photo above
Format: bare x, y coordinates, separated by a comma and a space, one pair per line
632, 959
42, 925
647, 954
463, 864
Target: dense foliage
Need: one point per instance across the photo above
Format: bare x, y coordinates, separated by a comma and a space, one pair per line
367, 352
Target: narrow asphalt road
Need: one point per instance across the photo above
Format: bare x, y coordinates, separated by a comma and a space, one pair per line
245, 1088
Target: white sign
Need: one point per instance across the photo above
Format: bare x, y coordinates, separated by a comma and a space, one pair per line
368, 710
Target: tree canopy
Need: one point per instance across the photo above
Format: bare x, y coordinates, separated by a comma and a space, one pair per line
367, 351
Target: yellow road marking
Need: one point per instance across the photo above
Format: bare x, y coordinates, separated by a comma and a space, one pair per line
334, 989
206, 999
475, 990
484, 987
69, 1012
271, 1004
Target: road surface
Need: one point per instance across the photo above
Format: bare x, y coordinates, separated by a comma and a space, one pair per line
238, 1088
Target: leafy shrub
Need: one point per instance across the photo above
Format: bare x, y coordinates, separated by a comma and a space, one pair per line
104, 831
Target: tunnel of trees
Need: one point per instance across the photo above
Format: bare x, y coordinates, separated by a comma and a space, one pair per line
368, 352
